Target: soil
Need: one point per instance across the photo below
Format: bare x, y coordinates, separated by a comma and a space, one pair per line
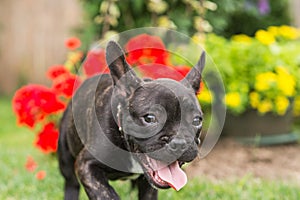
230, 160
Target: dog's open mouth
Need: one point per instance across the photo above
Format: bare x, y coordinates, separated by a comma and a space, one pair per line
162, 175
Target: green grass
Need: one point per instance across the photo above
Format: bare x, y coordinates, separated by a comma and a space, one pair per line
17, 183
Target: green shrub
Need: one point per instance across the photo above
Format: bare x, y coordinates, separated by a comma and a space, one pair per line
244, 16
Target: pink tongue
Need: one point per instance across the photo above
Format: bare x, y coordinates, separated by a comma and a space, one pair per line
173, 175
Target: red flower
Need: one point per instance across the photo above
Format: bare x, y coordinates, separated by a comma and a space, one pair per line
66, 84
32, 103
95, 63
146, 49
72, 43
155, 71
30, 164
55, 71
40, 175
47, 138
183, 70
202, 86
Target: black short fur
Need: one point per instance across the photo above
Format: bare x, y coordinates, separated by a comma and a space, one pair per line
76, 161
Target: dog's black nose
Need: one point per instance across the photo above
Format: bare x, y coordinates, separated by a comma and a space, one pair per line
178, 145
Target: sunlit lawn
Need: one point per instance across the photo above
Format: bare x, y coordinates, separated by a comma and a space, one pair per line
16, 144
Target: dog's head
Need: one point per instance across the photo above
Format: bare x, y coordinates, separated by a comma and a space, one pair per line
161, 119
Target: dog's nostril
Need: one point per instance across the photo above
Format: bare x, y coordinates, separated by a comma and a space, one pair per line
178, 144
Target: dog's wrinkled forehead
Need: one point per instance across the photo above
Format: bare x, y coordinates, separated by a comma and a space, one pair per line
166, 92
185, 95
176, 87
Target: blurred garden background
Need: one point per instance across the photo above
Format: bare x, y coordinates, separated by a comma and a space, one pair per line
255, 45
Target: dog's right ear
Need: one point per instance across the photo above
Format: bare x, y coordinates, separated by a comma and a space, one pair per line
119, 68
193, 78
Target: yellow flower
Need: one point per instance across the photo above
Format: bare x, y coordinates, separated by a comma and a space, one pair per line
274, 30
265, 106
289, 32
69, 65
297, 106
286, 82
233, 100
164, 21
282, 104
205, 97
242, 38
198, 38
265, 37
254, 99
74, 57
264, 81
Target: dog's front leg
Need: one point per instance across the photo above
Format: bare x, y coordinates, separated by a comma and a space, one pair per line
93, 178
146, 191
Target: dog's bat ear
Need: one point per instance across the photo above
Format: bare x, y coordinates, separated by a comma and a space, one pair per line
119, 68
116, 62
193, 78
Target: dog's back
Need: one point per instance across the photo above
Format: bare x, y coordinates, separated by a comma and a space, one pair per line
68, 134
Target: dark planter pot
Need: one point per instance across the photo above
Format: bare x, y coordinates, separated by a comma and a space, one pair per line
297, 123
252, 128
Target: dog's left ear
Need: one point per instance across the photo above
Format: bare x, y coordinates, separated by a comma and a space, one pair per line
120, 70
193, 78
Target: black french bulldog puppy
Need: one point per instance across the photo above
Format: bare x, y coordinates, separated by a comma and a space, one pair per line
118, 124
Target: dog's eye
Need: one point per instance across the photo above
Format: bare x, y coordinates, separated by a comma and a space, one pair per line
197, 121
150, 119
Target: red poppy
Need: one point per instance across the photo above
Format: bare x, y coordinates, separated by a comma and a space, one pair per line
55, 71
183, 70
40, 175
32, 103
95, 63
155, 71
146, 49
30, 164
72, 43
47, 138
66, 84
202, 86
